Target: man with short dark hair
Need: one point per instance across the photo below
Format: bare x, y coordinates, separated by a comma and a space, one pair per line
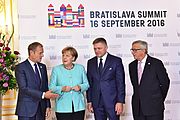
106, 76
33, 97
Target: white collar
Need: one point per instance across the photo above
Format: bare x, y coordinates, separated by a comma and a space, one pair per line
144, 59
31, 62
104, 57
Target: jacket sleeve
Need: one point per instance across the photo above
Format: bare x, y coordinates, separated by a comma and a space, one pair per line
163, 79
22, 80
85, 84
89, 91
120, 81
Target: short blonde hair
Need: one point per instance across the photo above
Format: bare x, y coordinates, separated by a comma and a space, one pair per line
72, 51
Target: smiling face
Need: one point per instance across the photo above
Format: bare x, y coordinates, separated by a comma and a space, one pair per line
100, 49
67, 58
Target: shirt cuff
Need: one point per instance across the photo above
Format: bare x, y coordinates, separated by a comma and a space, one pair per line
43, 95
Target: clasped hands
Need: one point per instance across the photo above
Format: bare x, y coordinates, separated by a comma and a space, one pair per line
68, 88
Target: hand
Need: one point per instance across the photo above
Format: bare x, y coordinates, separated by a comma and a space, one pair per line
119, 108
49, 95
76, 88
90, 108
66, 88
48, 112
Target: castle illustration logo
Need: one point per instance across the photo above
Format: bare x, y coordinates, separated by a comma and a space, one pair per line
65, 17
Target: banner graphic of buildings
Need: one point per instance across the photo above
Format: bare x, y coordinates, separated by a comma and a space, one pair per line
65, 17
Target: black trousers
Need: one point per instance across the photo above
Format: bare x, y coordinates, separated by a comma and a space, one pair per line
141, 116
71, 116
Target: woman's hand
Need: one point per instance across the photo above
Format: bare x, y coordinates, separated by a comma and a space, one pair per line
76, 88
66, 88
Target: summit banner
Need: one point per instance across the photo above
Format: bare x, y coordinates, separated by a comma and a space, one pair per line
60, 23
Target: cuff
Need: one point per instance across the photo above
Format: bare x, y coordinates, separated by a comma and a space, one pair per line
43, 95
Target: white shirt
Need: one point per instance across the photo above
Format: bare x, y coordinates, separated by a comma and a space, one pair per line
143, 61
32, 64
103, 59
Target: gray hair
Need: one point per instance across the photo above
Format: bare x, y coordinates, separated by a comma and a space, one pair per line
143, 44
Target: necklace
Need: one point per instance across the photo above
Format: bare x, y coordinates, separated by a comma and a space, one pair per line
69, 68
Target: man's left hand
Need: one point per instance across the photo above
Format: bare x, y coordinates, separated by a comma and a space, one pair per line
119, 108
48, 112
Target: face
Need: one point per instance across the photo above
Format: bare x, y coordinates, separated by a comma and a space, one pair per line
67, 58
137, 52
36, 56
100, 49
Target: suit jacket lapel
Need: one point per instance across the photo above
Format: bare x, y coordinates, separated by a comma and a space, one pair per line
107, 61
94, 66
146, 67
31, 72
136, 71
106, 64
41, 72
30, 69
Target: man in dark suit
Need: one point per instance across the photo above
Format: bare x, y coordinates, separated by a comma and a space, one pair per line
105, 72
150, 84
33, 97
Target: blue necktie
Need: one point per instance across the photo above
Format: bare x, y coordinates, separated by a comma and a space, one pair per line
37, 75
100, 65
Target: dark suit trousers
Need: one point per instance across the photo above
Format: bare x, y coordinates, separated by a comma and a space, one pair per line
141, 116
38, 115
101, 113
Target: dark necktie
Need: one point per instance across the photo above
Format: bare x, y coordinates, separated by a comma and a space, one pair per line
37, 75
100, 65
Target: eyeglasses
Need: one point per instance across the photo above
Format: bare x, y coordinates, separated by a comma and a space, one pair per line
135, 50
